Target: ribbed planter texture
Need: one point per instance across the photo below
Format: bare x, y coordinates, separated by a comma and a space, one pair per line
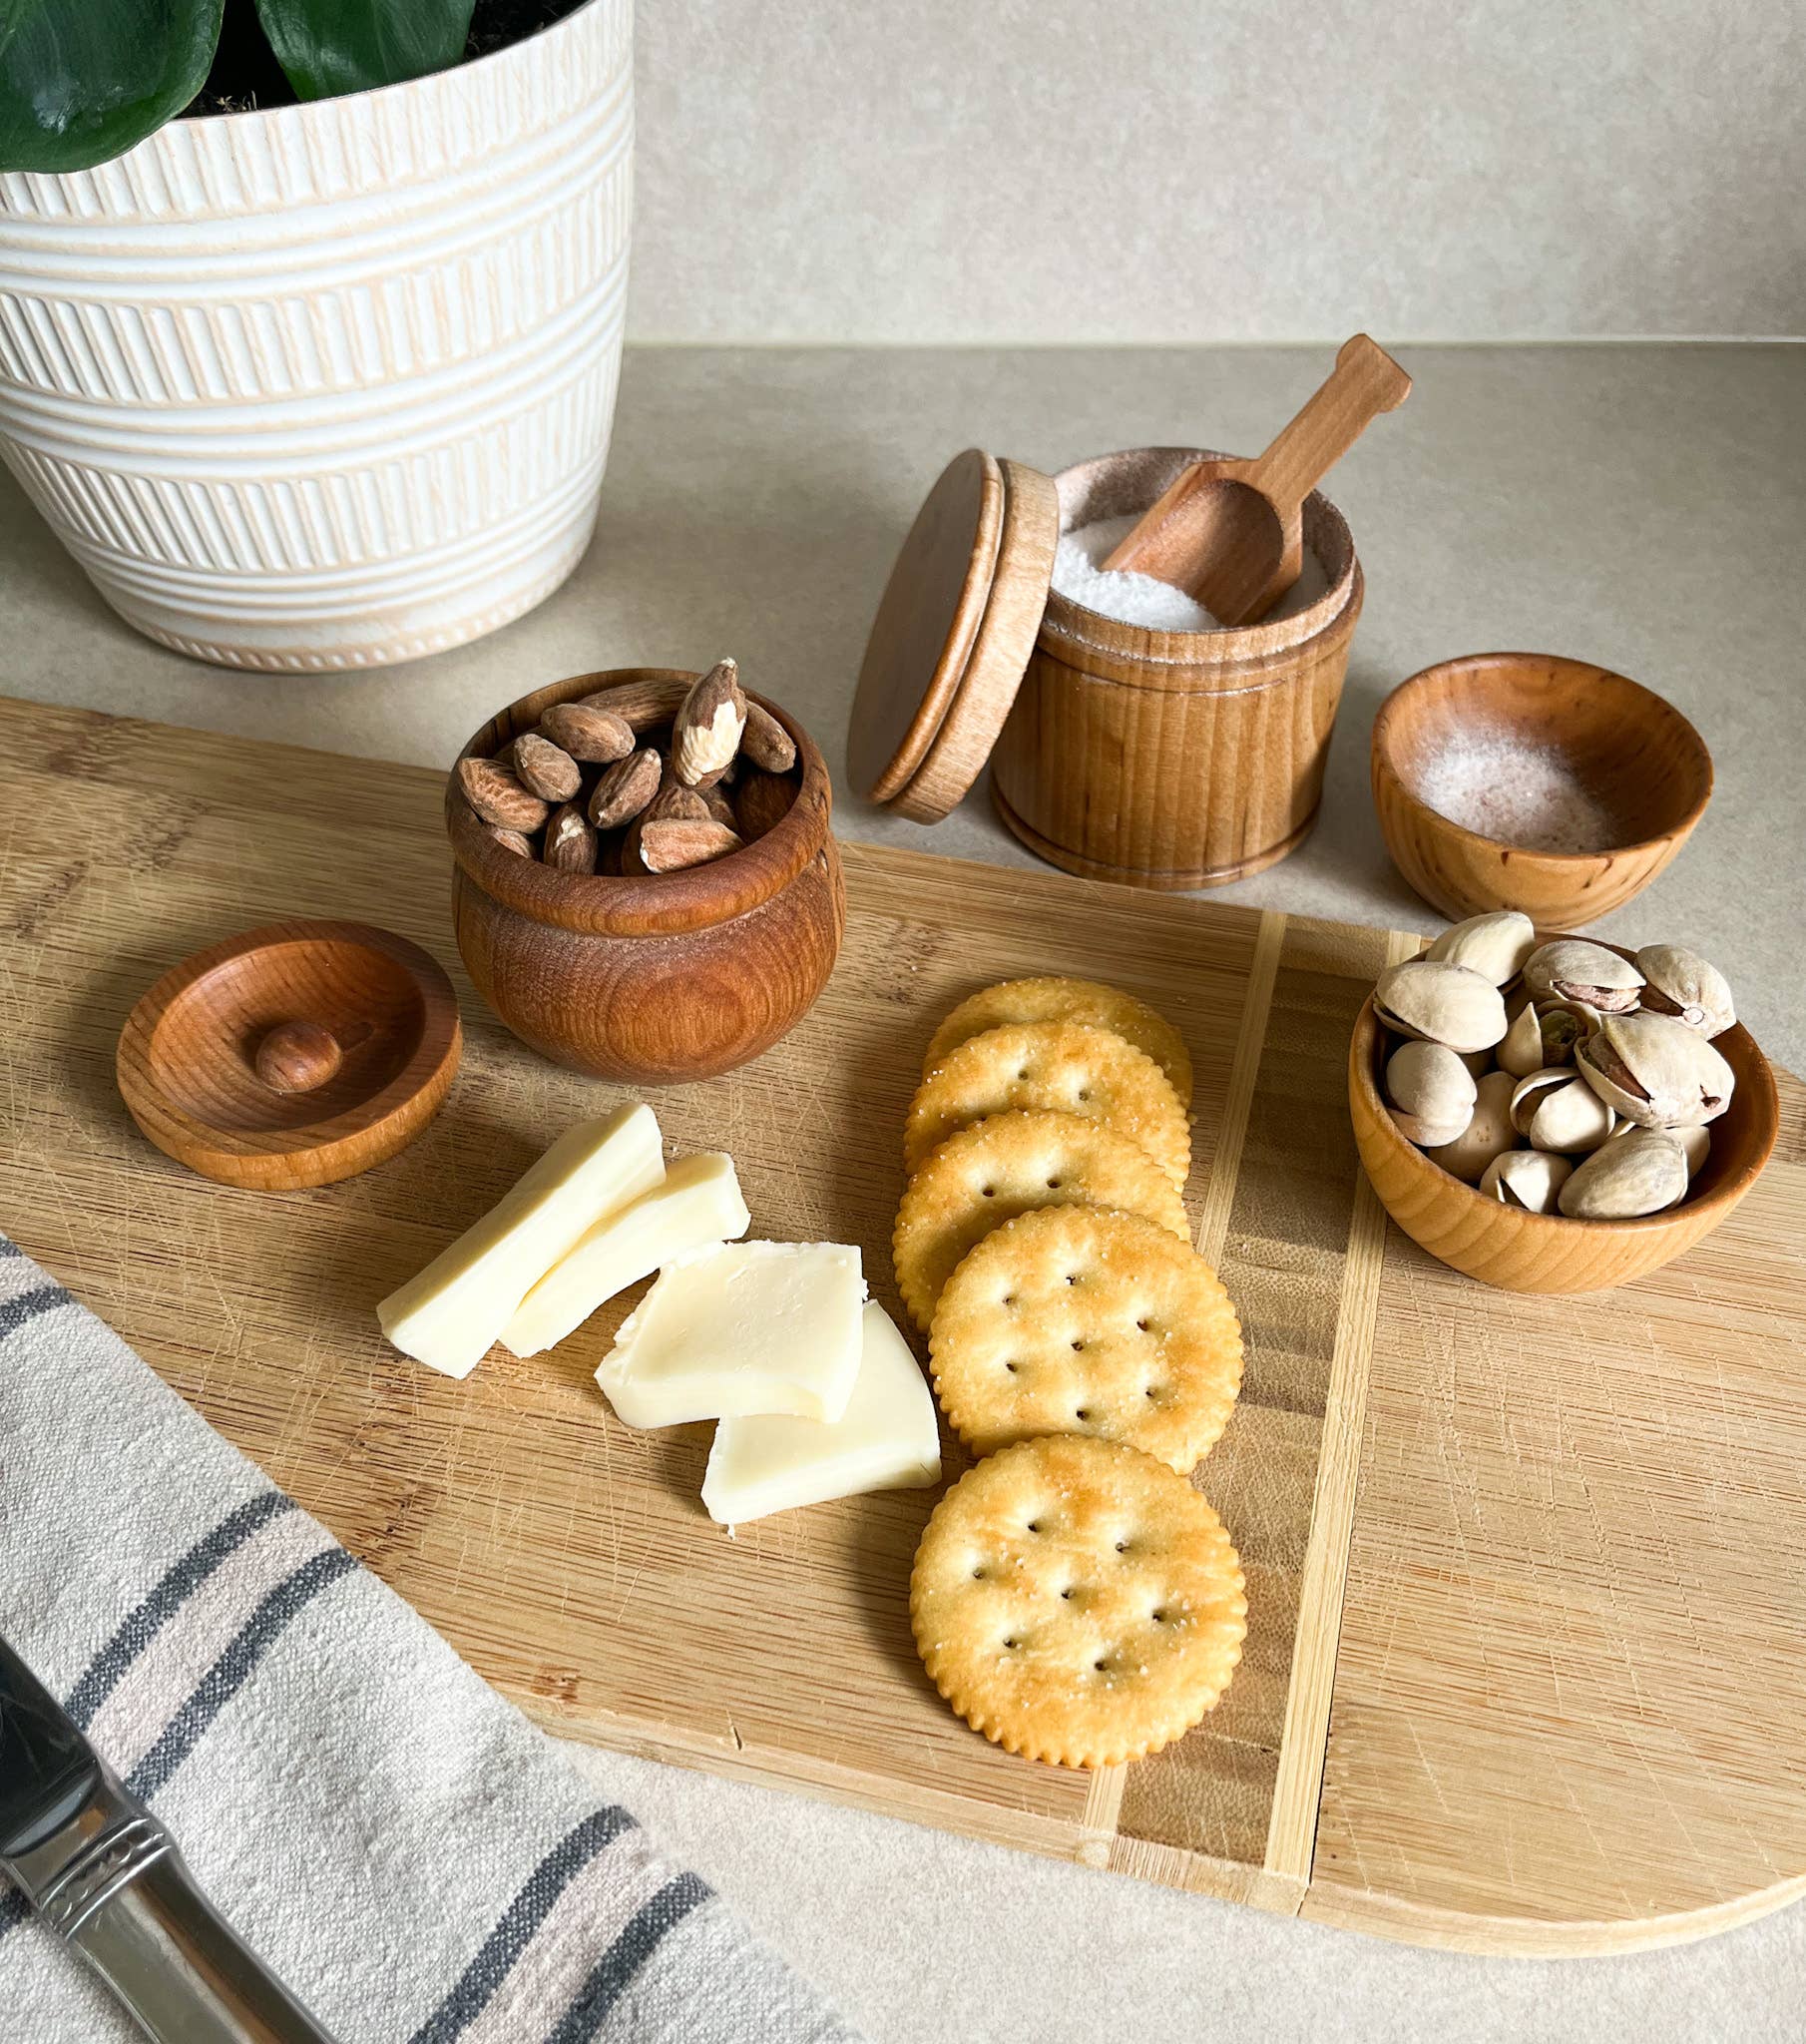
330, 386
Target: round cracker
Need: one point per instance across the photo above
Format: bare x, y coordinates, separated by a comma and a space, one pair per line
1076, 1601
1068, 1000
1082, 1319
1064, 1066
1003, 1166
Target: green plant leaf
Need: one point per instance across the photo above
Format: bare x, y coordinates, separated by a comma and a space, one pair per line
329, 47
83, 80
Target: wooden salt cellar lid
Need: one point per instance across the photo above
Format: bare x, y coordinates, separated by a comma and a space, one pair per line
295, 1054
953, 634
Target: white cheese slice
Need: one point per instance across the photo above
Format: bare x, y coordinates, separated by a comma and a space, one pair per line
886, 1439
449, 1315
746, 1326
699, 1203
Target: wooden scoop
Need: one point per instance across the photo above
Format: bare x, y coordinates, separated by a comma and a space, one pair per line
1230, 533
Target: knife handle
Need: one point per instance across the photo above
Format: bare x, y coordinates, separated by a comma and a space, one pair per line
181, 1969
104, 1875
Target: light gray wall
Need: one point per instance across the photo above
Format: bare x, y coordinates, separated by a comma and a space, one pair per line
1045, 171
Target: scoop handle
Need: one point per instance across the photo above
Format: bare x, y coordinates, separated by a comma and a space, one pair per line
1364, 382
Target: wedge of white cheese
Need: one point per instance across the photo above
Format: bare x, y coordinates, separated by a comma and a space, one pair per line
746, 1326
886, 1439
699, 1203
449, 1315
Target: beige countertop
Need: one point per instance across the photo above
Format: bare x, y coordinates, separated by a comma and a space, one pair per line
1638, 506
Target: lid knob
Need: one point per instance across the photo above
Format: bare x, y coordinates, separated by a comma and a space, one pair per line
298, 1057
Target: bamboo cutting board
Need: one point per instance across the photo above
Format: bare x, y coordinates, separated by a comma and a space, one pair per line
1527, 1576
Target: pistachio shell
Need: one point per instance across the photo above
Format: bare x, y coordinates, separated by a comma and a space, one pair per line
1487, 1134
1521, 1050
1441, 1004
1494, 945
1695, 1143
1681, 983
1531, 1179
1572, 968
1476, 1063
1429, 1083
1557, 1109
1427, 1134
1656, 1071
1638, 1174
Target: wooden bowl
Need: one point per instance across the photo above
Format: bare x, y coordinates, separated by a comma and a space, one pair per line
199, 1068
1635, 755
1521, 1252
657, 979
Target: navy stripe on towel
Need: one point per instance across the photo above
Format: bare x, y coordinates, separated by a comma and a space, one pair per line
141, 1625
232, 1670
614, 1972
496, 1956
29, 1306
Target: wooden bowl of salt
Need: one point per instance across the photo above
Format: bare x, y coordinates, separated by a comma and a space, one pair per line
1526, 780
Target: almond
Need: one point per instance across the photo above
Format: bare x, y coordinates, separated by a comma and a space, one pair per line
720, 808
571, 841
761, 801
510, 840
641, 704
625, 788
765, 742
597, 736
493, 791
546, 768
675, 803
706, 732
671, 845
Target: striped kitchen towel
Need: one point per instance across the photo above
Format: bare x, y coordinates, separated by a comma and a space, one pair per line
411, 1854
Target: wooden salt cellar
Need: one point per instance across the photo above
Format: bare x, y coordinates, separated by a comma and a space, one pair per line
1173, 759
1161, 758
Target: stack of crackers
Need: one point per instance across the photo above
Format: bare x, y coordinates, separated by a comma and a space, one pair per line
1074, 1597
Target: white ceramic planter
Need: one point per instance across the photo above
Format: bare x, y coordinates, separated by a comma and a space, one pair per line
330, 386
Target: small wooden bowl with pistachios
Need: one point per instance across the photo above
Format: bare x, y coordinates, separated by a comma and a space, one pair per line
645, 886
1546, 1113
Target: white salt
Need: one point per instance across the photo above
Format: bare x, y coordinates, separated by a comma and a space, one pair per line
1131, 598
1493, 783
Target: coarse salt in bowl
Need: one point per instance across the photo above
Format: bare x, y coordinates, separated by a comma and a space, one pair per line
1532, 782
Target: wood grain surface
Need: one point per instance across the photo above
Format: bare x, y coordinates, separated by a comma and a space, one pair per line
1552, 1699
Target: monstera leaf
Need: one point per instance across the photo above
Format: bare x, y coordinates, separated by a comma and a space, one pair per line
337, 46
83, 80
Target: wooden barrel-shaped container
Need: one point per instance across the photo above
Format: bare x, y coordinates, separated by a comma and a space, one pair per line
1174, 758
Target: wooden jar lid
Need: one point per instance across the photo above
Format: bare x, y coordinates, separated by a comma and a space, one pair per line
294, 1054
953, 634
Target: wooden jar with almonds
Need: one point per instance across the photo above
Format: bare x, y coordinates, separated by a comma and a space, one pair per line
645, 884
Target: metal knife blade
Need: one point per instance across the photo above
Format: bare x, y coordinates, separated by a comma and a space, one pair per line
102, 1872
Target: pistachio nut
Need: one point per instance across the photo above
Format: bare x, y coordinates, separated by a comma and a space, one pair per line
1427, 1134
1695, 1143
1572, 969
1556, 1109
1656, 1071
1487, 1134
1530, 1178
1681, 983
1494, 945
1641, 1172
1440, 1003
1431, 1090
1521, 1047
1564, 1024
